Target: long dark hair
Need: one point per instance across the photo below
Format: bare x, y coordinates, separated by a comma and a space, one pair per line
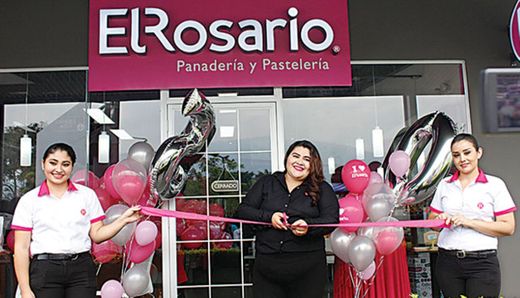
60, 147
315, 172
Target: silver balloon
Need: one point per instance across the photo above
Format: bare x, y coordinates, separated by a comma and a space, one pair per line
420, 181
113, 213
340, 240
176, 155
135, 281
367, 232
361, 252
142, 152
378, 207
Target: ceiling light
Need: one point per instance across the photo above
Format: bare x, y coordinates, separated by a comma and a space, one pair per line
122, 134
227, 131
103, 147
360, 149
99, 116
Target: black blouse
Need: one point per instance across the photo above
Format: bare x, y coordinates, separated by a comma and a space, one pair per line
269, 195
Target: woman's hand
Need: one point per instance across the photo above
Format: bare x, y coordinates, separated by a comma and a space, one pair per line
299, 227
27, 293
131, 214
279, 221
447, 218
459, 220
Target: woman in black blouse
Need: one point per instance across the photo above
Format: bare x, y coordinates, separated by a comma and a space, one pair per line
290, 259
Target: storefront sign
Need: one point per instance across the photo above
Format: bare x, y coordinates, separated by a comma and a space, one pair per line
227, 43
224, 185
514, 30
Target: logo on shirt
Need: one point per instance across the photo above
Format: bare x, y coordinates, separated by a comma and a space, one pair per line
480, 205
83, 212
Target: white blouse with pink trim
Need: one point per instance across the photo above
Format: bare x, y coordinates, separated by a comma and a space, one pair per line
58, 225
483, 199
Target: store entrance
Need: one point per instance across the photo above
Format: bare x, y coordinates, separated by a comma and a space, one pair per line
208, 259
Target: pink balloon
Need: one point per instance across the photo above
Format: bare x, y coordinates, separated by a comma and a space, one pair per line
145, 232
350, 211
86, 178
104, 198
215, 230
369, 272
10, 240
105, 252
399, 162
193, 233
145, 199
388, 240
129, 179
137, 253
224, 244
112, 289
375, 178
107, 179
355, 175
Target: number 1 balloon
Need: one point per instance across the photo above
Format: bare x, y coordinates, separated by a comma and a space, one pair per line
420, 180
176, 155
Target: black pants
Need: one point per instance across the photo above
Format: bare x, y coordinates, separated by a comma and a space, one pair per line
60, 279
290, 275
472, 277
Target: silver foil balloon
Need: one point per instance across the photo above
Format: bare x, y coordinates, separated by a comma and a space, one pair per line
339, 241
176, 155
361, 252
142, 152
420, 181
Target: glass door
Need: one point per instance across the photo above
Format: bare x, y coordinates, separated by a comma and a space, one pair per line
215, 259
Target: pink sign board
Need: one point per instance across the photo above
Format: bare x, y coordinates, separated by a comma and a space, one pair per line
514, 30
135, 45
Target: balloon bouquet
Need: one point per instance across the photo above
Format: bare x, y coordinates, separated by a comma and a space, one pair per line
373, 199
144, 178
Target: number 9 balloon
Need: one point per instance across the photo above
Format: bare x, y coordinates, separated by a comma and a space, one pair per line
420, 180
176, 155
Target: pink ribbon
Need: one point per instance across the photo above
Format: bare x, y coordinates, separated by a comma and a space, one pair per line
433, 223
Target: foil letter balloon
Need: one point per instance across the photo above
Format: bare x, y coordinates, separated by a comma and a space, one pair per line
176, 155
423, 174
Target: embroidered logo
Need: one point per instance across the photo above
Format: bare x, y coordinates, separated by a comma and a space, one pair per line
480, 205
83, 212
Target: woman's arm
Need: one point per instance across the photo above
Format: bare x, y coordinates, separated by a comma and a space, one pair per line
100, 232
329, 212
22, 240
504, 225
250, 209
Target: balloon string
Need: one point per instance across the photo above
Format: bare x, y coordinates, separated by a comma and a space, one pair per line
428, 223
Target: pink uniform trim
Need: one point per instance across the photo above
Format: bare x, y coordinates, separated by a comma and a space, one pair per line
44, 188
435, 210
512, 209
480, 179
20, 228
97, 219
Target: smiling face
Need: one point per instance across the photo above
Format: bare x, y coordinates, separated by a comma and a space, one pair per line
57, 167
298, 165
465, 157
